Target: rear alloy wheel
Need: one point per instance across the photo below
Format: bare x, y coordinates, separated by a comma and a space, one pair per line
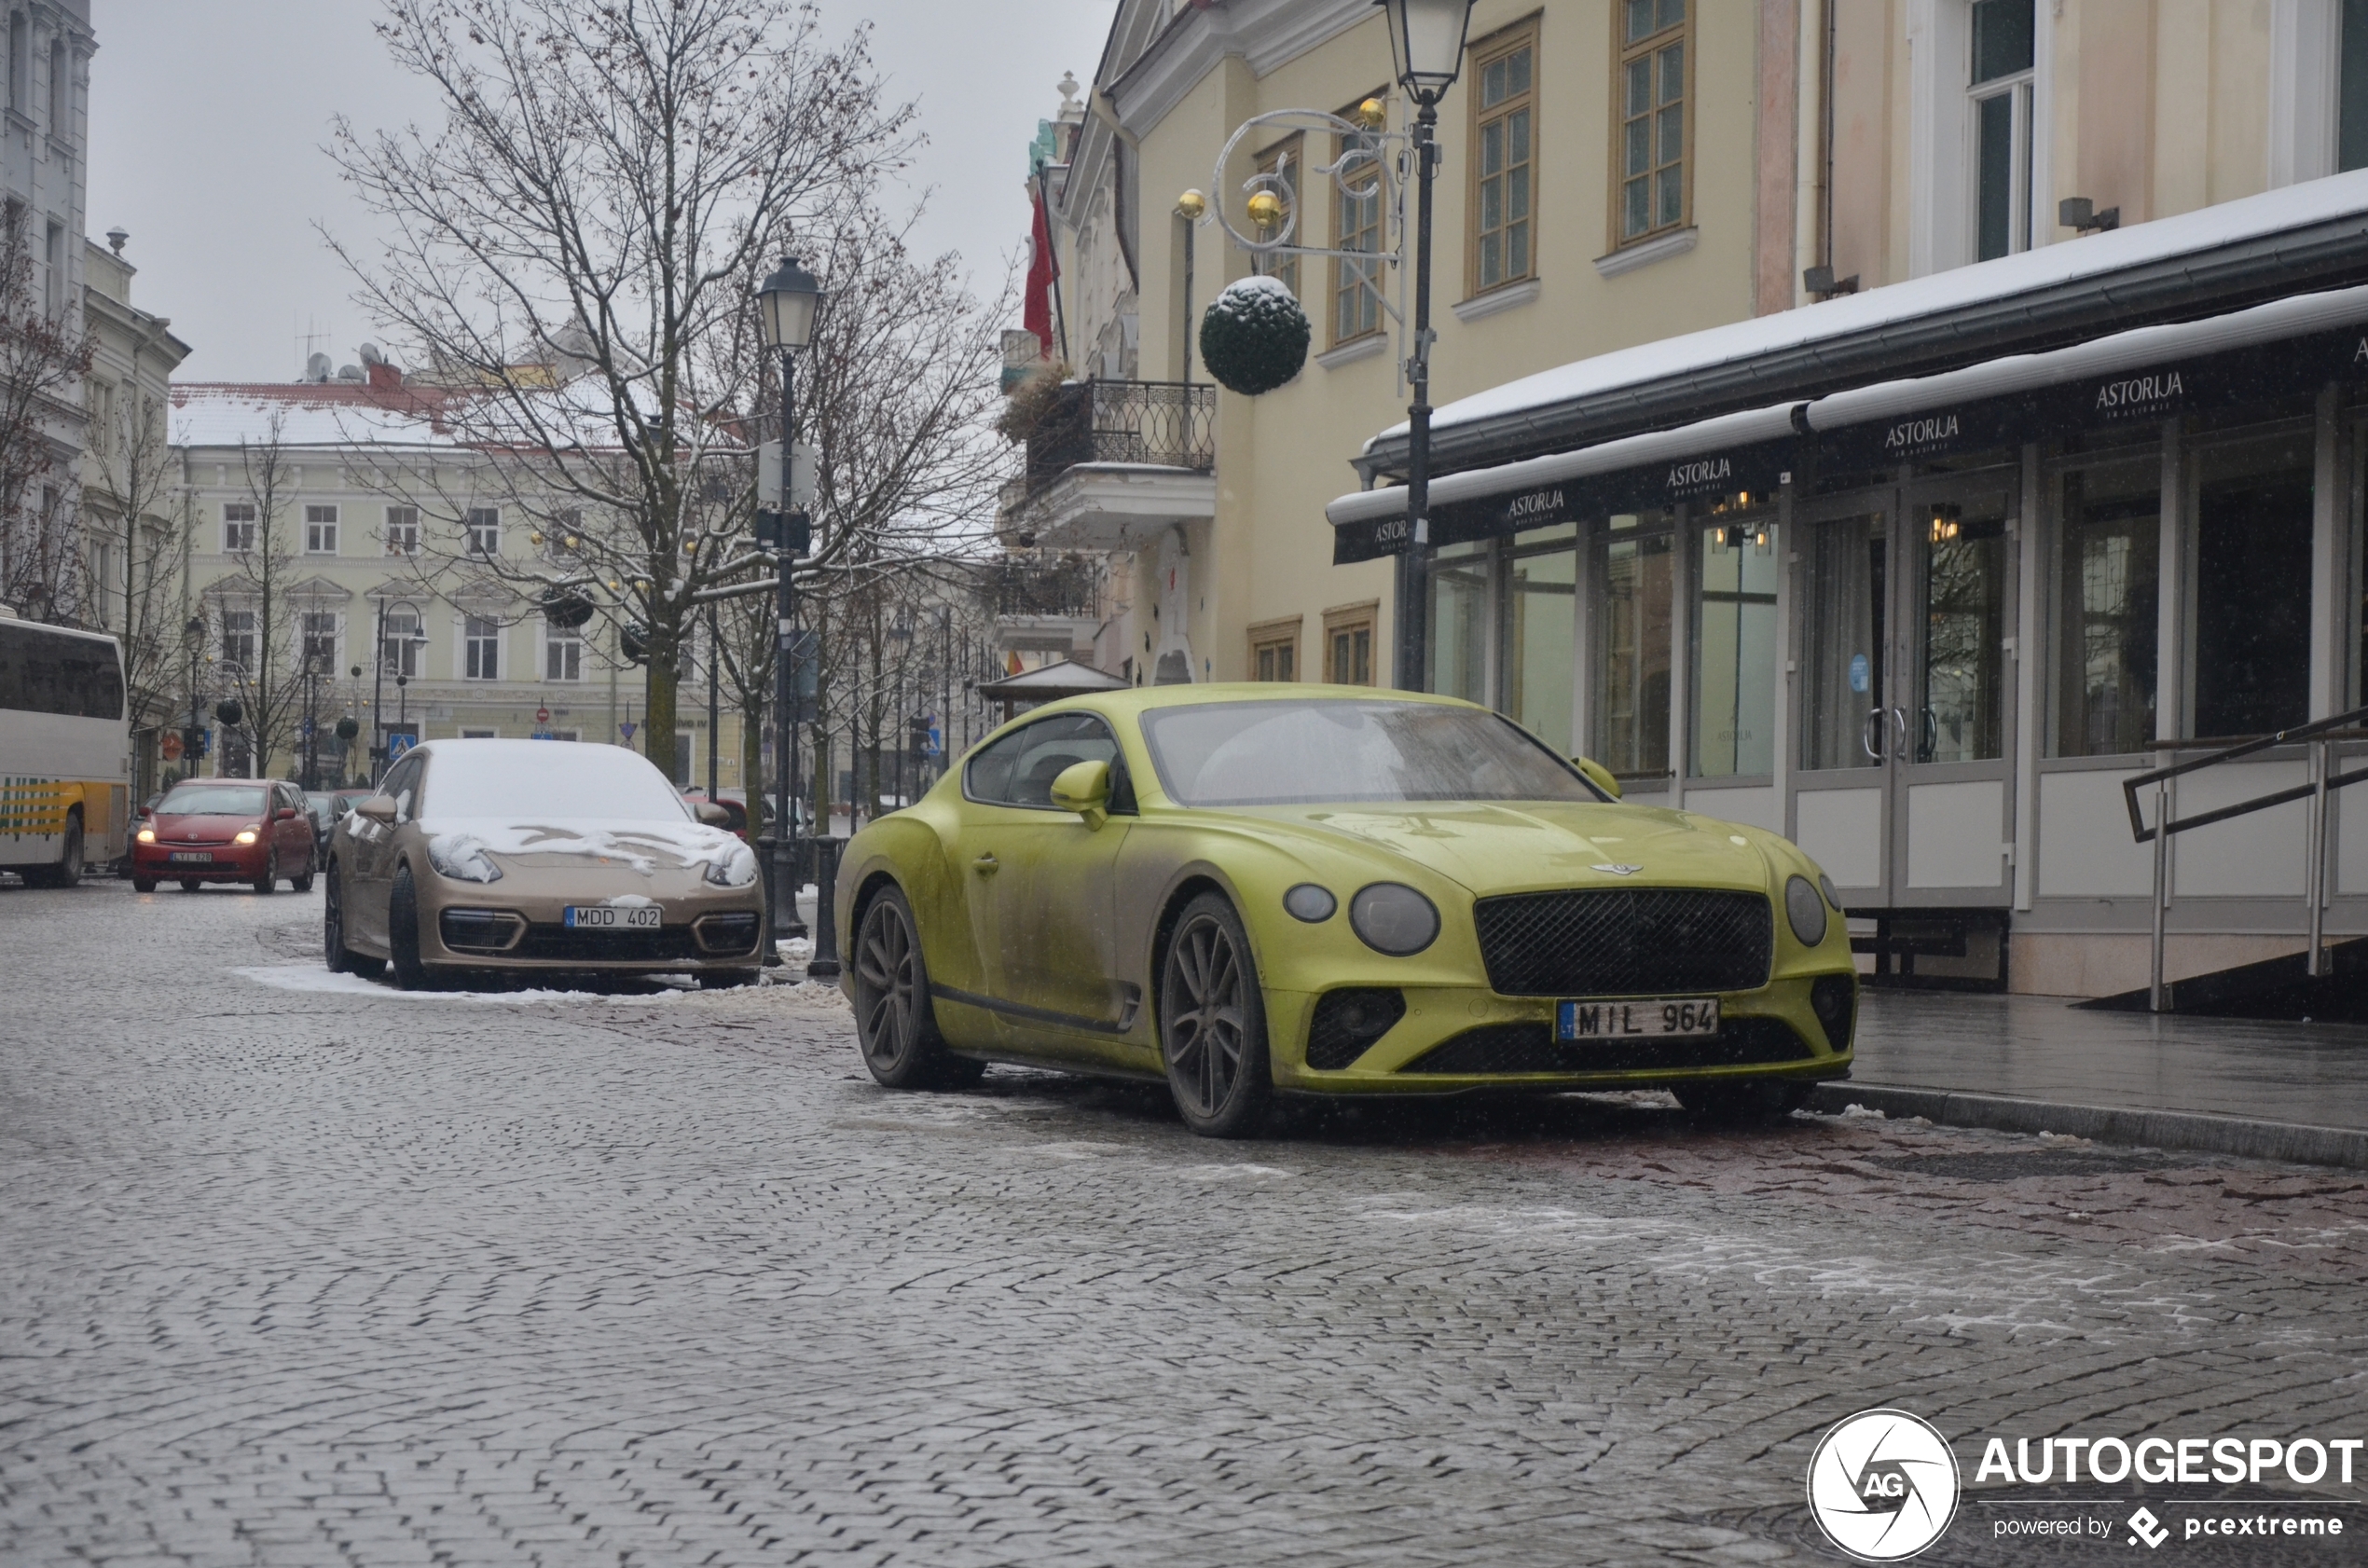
1213, 1023
895, 1023
403, 932
1742, 1104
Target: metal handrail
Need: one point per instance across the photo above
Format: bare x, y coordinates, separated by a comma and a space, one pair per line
2319, 733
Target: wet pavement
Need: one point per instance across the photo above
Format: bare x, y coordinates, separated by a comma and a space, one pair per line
298, 1270
2043, 1048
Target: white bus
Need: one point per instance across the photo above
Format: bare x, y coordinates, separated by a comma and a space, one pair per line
65, 752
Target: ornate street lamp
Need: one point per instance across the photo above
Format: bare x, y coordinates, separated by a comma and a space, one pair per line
787, 306
1427, 47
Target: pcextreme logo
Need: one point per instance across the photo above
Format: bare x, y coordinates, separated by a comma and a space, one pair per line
1883, 1485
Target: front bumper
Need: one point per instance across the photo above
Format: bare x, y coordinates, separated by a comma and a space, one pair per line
231, 862
1456, 1039
511, 923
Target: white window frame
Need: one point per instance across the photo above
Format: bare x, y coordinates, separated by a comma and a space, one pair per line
481, 526
2305, 66
1941, 147
320, 529
402, 532
244, 638
336, 638
564, 649
474, 645
405, 661
238, 529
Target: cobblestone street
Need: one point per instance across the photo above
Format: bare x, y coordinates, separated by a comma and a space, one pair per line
295, 1273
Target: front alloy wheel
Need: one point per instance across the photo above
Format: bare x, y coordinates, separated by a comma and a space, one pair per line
1213, 1023
894, 1023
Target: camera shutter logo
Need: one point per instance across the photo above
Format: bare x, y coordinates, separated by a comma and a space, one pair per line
1883, 1485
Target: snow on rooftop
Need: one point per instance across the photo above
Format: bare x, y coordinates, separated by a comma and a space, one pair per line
2249, 217
225, 414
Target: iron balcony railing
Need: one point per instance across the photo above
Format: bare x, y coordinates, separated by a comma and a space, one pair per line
1169, 425
1070, 585
2321, 735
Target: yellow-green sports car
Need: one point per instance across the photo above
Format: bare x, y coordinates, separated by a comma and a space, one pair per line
1247, 890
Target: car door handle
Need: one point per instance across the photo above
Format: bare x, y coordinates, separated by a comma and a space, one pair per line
986, 864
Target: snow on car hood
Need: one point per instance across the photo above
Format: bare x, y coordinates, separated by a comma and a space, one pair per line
1498, 848
645, 845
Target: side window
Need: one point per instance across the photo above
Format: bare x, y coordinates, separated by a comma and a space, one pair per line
1019, 768
402, 786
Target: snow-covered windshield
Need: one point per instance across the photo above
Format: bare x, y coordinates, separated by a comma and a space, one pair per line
1292, 753
212, 800
540, 780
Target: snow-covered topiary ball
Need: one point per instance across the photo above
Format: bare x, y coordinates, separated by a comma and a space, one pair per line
1254, 337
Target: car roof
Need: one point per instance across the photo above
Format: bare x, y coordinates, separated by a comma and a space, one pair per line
1143, 699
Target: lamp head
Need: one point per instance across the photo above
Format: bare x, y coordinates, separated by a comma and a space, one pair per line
1426, 42
787, 305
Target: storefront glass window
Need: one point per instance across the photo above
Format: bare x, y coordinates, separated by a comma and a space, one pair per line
2107, 583
1537, 675
1459, 622
2253, 587
1631, 651
1962, 697
1735, 651
1843, 632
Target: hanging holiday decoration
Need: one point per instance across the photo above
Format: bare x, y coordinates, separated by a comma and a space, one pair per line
1254, 337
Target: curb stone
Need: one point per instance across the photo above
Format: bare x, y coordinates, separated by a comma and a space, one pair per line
2238, 1136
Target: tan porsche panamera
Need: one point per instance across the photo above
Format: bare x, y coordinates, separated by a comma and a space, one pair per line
510, 854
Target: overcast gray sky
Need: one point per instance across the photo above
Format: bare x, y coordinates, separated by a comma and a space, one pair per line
207, 117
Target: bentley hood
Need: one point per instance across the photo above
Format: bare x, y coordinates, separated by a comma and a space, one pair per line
1504, 848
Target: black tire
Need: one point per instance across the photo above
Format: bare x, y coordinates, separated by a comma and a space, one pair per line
303, 884
895, 1023
1742, 1104
403, 932
1212, 1024
143, 884
340, 958
270, 881
190, 884
68, 871
725, 980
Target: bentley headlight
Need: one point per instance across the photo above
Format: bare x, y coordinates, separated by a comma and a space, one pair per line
1311, 903
1392, 918
462, 858
1805, 910
734, 868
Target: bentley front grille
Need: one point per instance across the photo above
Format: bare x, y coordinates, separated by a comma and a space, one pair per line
1625, 941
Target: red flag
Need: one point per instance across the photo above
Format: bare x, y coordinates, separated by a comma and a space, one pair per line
1039, 309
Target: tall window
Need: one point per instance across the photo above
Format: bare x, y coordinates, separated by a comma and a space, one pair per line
1734, 663
1461, 624
2351, 90
2251, 647
61, 90
1356, 285
238, 640
1274, 651
319, 641
481, 651
320, 530
484, 529
1281, 164
1649, 98
55, 257
1348, 646
20, 60
2105, 619
2002, 99
1503, 179
562, 654
238, 527
1632, 644
403, 531
400, 651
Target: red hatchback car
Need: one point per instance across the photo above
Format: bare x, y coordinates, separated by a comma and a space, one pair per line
226, 829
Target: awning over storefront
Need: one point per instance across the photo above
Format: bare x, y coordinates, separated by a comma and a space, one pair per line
2261, 353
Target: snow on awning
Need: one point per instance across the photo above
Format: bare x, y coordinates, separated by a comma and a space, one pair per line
2267, 352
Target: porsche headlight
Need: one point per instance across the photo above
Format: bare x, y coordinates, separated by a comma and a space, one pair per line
1392, 918
734, 868
462, 858
246, 835
1805, 908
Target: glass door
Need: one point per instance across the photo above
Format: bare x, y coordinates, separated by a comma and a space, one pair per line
1841, 783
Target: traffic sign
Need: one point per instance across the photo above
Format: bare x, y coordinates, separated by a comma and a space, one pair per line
400, 741
542, 715
628, 728
306, 728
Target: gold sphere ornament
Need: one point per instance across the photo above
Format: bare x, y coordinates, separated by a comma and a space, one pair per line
534, 538
1190, 205
1266, 209
1371, 114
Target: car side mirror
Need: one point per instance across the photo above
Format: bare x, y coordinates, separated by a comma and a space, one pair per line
378, 808
711, 814
1084, 788
285, 814
1598, 775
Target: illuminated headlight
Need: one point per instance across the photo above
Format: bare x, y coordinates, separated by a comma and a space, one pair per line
146, 835
462, 858
734, 868
1805, 908
246, 835
1390, 918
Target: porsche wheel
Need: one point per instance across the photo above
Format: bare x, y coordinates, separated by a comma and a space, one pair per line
342, 959
1213, 1023
403, 932
894, 1023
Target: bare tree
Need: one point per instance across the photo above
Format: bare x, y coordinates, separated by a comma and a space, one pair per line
45, 353
129, 482
578, 237
259, 611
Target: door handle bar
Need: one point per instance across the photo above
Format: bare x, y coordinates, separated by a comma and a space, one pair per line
986, 864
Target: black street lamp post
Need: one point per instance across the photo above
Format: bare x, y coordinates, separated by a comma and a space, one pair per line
1426, 45
787, 305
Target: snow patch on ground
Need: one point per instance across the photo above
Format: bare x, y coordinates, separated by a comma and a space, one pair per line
316, 981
